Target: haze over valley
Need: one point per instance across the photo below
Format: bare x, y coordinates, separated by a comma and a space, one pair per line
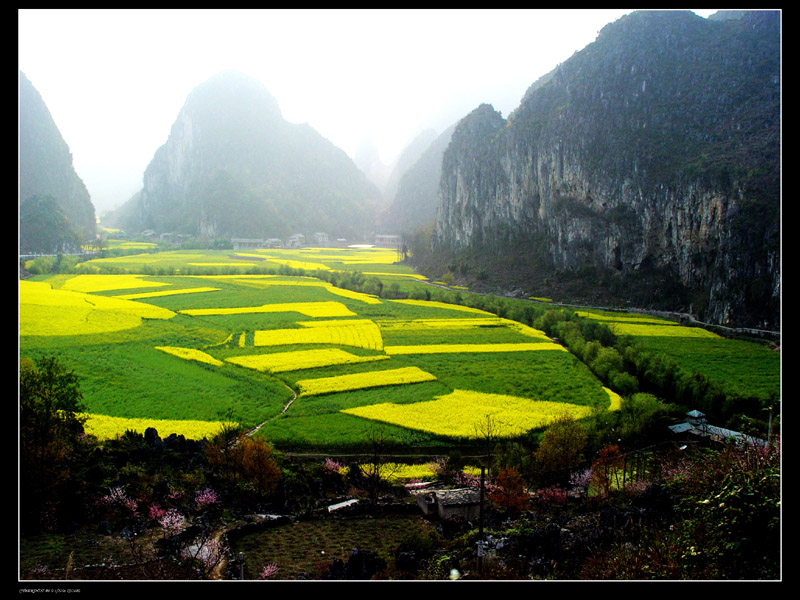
651, 153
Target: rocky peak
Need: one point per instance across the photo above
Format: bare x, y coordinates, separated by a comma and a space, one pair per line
655, 149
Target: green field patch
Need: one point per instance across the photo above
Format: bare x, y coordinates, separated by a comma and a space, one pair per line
143, 383
551, 376
740, 367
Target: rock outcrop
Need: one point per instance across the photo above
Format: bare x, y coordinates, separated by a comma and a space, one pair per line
651, 155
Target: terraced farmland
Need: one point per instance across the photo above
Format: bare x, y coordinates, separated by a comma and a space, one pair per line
309, 363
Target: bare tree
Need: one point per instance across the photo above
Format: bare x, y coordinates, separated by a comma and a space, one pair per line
380, 444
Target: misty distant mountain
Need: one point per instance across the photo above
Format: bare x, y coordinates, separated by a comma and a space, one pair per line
234, 167
367, 158
406, 160
417, 196
47, 179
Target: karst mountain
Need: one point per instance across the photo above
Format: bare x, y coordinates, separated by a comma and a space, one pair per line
234, 167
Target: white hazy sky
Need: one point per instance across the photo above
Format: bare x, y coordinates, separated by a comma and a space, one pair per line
114, 80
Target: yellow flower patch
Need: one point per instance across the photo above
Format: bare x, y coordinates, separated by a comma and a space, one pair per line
616, 399
191, 354
464, 323
366, 298
434, 304
299, 264
399, 472
526, 330
104, 283
423, 324
196, 290
44, 311
464, 414
358, 381
638, 318
461, 348
104, 427
310, 309
360, 333
647, 330
301, 359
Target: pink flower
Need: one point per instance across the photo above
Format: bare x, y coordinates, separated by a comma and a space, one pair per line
171, 521
206, 497
268, 571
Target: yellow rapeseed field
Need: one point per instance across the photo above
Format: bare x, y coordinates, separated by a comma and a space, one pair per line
44, 311
648, 330
462, 323
280, 362
310, 309
191, 354
360, 333
299, 264
434, 304
140, 295
616, 399
638, 318
105, 427
461, 348
103, 283
357, 381
366, 298
422, 324
464, 414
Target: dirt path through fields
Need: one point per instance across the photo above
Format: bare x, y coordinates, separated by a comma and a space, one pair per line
285, 408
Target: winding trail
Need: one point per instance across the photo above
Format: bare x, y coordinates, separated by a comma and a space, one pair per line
283, 410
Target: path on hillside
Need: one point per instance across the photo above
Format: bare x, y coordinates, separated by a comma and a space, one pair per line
283, 410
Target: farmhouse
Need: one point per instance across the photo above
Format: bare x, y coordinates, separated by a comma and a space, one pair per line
255, 244
297, 240
696, 424
463, 502
387, 241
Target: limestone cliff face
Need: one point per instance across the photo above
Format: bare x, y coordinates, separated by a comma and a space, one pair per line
655, 149
232, 166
